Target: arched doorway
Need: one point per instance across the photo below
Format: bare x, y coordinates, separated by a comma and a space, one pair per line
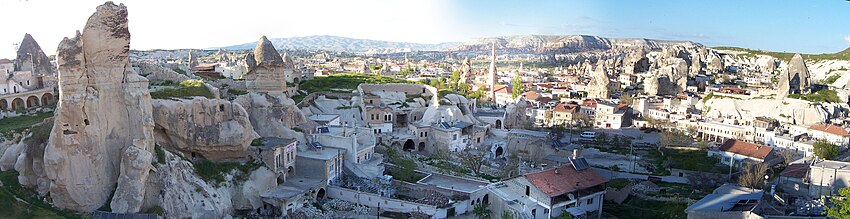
498, 124
46, 99
499, 151
32, 101
409, 145
18, 104
486, 199
321, 194
421, 146
4, 105
290, 171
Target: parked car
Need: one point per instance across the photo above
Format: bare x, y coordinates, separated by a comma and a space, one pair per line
588, 135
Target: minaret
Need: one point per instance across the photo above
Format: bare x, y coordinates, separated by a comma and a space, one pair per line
493, 73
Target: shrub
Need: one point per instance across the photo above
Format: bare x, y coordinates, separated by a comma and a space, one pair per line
187, 88
160, 153
215, 172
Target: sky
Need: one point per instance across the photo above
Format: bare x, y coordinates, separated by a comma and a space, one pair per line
821, 26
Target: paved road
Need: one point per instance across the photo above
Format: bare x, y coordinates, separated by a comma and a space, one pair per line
608, 174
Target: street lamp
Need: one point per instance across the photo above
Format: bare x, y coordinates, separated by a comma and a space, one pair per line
32, 63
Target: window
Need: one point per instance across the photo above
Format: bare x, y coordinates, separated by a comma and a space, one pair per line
590, 201
454, 137
527, 190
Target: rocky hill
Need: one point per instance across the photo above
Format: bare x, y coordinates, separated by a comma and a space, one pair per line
344, 44
540, 44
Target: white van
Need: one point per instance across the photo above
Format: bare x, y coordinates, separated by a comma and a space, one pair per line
588, 135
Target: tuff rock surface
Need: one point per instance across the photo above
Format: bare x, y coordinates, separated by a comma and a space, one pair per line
266, 72
30, 55
210, 128
103, 109
272, 116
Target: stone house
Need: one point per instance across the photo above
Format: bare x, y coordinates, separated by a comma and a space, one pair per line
573, 188
827, 177
565, 113
736, 152
830, 133
323, 162
278, 154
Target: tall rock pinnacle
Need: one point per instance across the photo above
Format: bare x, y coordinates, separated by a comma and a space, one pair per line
103, 131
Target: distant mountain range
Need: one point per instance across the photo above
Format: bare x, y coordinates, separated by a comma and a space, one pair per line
345, 44
521, 44
547, 44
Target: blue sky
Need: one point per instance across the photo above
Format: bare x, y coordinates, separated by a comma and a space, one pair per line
811, 26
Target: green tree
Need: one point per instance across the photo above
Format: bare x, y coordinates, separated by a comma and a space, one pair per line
454, 80
601, 138
481, 211
825, 150
517, 87
840, 205
463, 88
507, 215
564, 215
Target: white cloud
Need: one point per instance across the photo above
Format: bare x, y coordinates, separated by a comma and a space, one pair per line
847, 38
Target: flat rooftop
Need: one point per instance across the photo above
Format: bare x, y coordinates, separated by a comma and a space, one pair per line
833, 165
294, 186
453, 183
324, 117
325, 153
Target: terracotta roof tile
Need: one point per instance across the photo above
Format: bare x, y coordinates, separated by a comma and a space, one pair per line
746, 149
5, 61
565, 108
564, 179
831, 129
797, 170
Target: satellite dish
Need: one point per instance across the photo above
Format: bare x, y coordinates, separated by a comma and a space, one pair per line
571, 196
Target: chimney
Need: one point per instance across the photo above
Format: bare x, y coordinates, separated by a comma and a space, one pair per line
575, 153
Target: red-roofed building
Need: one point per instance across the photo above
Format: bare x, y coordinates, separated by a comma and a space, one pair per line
830, 133
577, 189
564, 113
744, 152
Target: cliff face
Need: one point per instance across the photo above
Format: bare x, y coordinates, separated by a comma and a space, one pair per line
540, 44
104, 112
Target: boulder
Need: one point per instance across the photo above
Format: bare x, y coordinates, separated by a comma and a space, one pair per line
183, 194
515, 117
104, 107
209, 128
272, 116
155, 72
247, 195
130, 193
9, 154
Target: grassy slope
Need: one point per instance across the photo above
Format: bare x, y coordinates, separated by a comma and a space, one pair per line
786, 56
29, 205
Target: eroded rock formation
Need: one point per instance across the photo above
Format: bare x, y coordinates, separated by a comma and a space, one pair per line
208, 128
30, 56
272, 116
103, 109
599, 86
795, 79
266, 74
